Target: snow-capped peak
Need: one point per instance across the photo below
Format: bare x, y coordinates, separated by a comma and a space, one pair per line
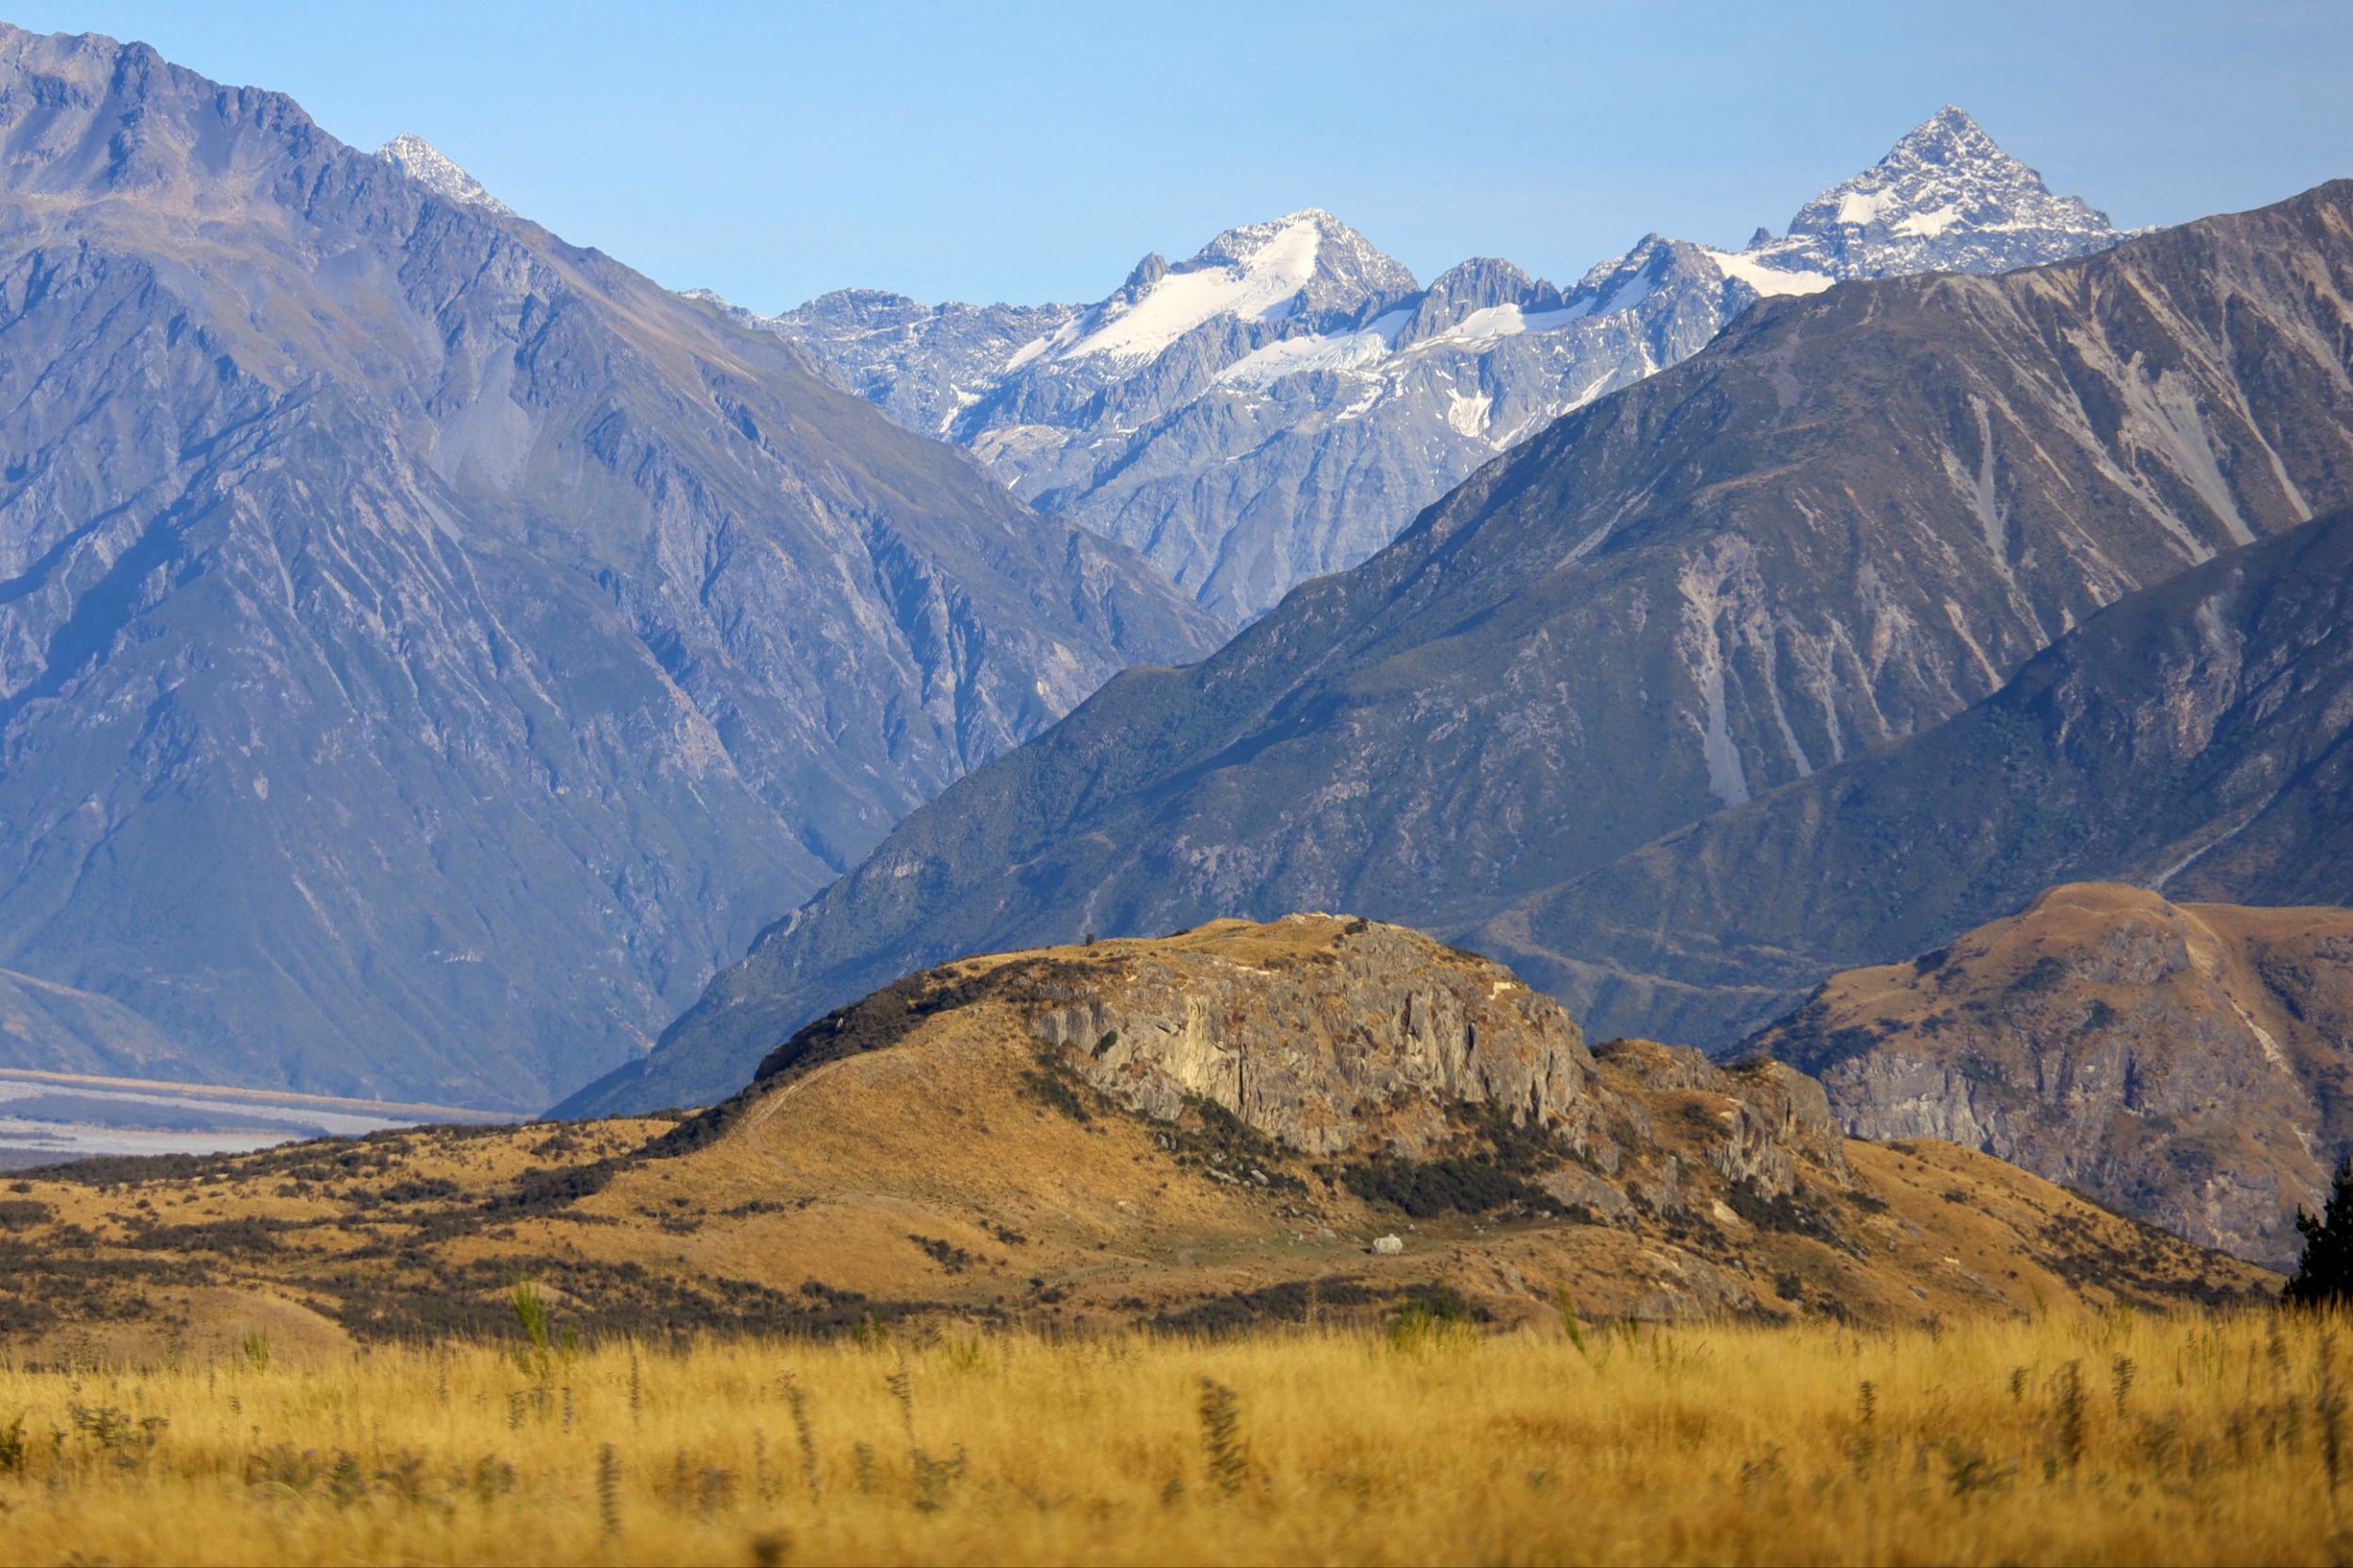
1946, 198
1306, 263
1949, 138
1343, 255
429, 166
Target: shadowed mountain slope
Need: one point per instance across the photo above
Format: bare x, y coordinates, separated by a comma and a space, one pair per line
1848, 519
426, 648
2197, 738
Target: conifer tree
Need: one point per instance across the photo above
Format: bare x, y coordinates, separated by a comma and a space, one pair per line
2324, 1277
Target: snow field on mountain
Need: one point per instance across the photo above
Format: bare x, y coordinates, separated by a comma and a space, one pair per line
1261, 289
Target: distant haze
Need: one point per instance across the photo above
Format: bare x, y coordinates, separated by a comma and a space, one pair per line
775, 152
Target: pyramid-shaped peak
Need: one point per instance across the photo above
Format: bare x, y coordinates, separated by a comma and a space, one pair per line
1484, 275
1952, 120
436, 170
1950, 137
1304, 266
1946, 198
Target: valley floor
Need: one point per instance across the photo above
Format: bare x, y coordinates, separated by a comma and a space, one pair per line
2119, 1437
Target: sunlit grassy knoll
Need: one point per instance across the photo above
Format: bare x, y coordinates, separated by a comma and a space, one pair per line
2118, 1439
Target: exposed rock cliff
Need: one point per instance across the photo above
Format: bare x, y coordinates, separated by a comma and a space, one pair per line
1358, 1044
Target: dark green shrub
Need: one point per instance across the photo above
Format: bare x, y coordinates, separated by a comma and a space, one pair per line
2324, 1276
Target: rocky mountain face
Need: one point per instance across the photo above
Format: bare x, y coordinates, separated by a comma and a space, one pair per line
2188, 1064
1282, 404
427, 648
2192, 738
1848, 519
1316, 1117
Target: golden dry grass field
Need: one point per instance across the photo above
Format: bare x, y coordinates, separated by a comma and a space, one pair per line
2123, 1437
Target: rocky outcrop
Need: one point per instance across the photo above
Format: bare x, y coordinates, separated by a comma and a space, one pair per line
969, 1144
1363, 1044
2188, 1063
1758, 1126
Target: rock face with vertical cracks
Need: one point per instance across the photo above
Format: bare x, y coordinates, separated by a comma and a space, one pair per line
1358, 1044
1367, 1047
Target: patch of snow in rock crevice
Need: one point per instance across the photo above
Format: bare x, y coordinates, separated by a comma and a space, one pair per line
1467, 416
1929, 225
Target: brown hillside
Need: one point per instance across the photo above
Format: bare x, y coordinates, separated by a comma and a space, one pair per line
2188, 1063
1197, 1130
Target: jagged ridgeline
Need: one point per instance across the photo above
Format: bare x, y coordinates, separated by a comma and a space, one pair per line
1281, 404
426, 648
1852, 517
1316, 1117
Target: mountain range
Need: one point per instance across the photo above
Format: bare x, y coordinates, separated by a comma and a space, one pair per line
428, 648
1281, 404
1911, 648
1853, 517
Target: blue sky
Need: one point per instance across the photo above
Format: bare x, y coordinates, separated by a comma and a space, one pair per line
773, 151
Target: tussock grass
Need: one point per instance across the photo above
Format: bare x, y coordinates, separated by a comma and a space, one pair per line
2196, 1438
